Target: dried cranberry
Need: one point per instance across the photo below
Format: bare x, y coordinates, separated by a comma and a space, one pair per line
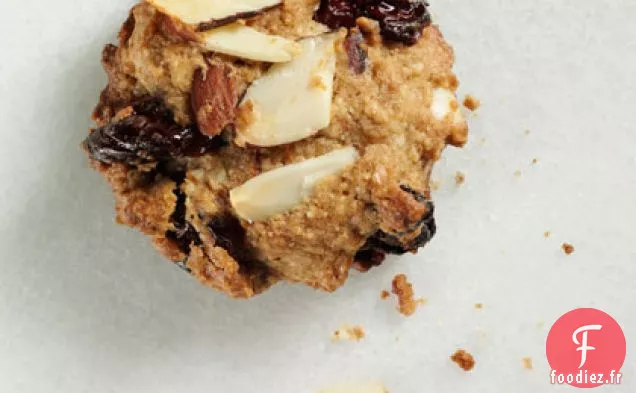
400, 20
368, 257
338, 13
400, 243
356, 52
148, 134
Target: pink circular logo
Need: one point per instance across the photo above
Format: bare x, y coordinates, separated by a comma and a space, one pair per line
586, 348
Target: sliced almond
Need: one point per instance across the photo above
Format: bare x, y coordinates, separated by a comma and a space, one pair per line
284, 188
292, 101
244, 42
207, 14
445, 104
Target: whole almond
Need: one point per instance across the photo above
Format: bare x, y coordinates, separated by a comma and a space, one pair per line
214, 99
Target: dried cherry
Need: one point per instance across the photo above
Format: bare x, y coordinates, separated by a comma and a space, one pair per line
148, 134
400, 20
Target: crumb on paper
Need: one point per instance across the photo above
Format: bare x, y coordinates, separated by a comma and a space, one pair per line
482, 140
421, 301
527, 363
435, 185
460, 178
547, 234
349, 333
517, 173
479, 306
463, 359
384, 295
471, 103
527, 132
404, 291
568, 249
540, 324
535, 161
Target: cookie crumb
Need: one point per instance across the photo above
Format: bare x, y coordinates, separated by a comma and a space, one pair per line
568, 249
479, 306
463, 359
535, 161
517, 173
527, 132
404, 291
547, 234
350, 333
471, 103
540, 325
527, 363
435, 185
384, 295
460, 178
317, 83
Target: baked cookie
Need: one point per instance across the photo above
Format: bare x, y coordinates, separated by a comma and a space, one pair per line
264, 140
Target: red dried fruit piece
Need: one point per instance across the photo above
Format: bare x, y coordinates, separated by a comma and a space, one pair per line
146, 133
400, 20
338, 13
214, 99
415, 235
356, 52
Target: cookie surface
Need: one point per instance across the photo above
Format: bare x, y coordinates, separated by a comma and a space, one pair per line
276, 144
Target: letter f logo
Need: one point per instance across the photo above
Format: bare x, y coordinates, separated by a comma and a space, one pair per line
583, 344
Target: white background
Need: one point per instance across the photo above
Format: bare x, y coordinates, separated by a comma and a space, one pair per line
87, 306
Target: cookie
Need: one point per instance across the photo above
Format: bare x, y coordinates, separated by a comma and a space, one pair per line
264, 140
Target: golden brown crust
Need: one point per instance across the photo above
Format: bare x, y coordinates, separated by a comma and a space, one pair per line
221, 272
120, 89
